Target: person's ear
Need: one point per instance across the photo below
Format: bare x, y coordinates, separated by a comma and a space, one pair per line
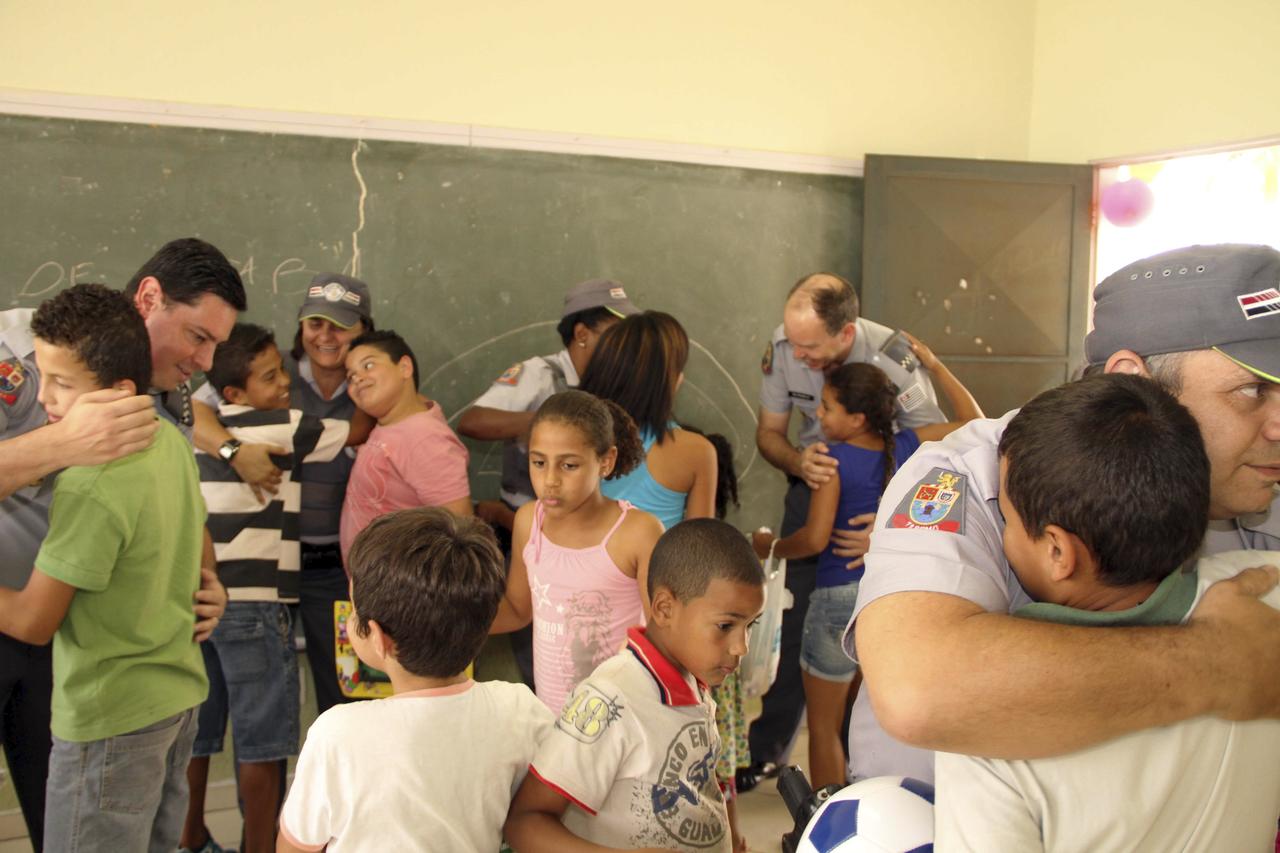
126, 385
1065, 552
1127, 361
235, 395
607, 461
679, 382
406, 366
847, 334
382, 643
581, 334
149, 297
859, 419
662, 607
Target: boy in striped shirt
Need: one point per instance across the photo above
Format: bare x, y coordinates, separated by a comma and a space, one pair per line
250, 659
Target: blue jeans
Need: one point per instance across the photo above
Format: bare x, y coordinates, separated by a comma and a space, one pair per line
123, 793
253, 678
323, 582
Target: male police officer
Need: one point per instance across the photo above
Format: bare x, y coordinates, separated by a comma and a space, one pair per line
946, 668
820, 331
188, 295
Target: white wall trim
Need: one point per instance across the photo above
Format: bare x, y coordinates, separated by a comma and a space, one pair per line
1132, 159
55, 105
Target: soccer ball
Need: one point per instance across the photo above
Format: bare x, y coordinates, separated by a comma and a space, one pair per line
887, 814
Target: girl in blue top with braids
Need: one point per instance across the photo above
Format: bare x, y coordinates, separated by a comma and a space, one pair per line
856, 414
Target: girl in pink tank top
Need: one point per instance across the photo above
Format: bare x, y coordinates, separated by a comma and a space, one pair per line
578, 559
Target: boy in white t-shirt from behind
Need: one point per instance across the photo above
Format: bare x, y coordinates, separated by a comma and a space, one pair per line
435, 766
1105, 496
631, 762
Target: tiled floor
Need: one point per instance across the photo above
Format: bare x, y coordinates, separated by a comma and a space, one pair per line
762, 814
763, 817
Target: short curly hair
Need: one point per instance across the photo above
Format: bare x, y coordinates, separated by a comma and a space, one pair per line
433, 581
103, 328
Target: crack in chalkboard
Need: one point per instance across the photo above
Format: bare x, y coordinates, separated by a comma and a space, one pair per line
364, 193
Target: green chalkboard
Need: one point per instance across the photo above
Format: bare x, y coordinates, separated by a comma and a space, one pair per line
468, 251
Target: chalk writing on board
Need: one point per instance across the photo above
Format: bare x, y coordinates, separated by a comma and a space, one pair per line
51, 275
289, 271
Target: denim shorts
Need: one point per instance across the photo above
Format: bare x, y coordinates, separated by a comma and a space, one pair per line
821, 653
253, 678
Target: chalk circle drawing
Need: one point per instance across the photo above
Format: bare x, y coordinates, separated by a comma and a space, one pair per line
745, 422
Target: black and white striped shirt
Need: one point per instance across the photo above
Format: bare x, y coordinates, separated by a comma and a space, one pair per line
256, 545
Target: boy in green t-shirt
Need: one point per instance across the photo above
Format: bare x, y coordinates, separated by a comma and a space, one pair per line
112, 586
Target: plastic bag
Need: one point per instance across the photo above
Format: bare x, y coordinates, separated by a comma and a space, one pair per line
760, 666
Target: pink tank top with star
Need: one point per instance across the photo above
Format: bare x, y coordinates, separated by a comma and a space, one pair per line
583, 605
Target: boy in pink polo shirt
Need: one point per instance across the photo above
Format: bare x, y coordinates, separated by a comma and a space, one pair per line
412, 457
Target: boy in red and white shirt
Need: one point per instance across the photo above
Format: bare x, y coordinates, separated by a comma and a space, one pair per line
631, 761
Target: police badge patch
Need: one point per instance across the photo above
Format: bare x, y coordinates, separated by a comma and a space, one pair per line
511, 375
936, 503
766, 361
11, 379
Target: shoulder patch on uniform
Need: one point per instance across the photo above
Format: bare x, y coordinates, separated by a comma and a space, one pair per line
11, 379
935, 503
911, 398
588, 713
766, 361
511, 375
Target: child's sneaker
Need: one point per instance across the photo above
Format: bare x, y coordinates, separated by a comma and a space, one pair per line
210, 846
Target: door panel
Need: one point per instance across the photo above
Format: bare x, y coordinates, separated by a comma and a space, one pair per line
999, 387
988, 262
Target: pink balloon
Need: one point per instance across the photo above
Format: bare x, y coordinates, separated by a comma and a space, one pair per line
1127, 203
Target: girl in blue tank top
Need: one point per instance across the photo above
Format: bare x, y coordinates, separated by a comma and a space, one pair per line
857, 417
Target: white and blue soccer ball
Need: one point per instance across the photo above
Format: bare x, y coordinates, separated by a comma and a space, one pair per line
886, 814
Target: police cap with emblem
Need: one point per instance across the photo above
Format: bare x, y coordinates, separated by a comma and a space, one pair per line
1224, 297
340, 299
598, 293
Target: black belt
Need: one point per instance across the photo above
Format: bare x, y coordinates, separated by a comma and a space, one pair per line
320, 556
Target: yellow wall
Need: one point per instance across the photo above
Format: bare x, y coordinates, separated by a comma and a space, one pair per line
829, 77
1136, 76
1068, 80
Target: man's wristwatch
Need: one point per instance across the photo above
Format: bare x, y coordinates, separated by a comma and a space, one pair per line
229, 449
